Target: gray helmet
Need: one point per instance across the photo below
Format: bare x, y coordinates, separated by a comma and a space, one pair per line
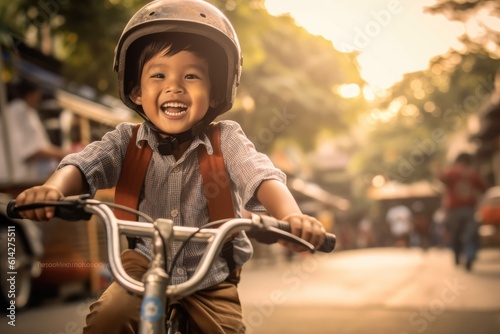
182, 16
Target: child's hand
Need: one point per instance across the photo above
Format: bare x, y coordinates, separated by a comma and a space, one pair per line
307, 228
39, 194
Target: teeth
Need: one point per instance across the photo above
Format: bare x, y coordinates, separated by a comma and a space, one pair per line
173, 113
174, 105
173, 108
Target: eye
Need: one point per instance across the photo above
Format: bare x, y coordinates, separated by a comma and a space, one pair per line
192, 76
158, 76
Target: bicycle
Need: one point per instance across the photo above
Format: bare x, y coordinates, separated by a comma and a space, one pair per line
155, 288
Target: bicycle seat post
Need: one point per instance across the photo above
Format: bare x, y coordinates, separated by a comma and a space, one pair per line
155, 281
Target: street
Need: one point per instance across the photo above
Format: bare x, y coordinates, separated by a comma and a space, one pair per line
398, 291
376, 291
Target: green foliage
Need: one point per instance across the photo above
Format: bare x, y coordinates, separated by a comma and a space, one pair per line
428, 107
433, 105
473, 11
289, 76
82, 34
89, 39
398, 151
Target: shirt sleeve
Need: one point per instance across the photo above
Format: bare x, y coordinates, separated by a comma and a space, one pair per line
101, 161
479, 182
246, 167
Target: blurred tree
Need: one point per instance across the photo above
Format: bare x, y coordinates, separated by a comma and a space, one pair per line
89, 34
413, 126
398, 150
480, 18
7, 42
81, 33
289, 81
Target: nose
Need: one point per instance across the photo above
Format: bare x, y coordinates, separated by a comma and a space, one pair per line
174, 85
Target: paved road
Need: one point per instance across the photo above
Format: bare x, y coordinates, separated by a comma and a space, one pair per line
386, 291
378, 291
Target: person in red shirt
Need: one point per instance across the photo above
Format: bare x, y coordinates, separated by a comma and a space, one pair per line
464, 185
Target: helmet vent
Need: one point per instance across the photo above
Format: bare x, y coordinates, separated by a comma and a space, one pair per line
203, 15
152, 13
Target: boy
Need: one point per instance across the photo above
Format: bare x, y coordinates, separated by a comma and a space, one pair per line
178, 65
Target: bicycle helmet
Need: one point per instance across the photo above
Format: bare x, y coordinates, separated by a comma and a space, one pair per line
194, 17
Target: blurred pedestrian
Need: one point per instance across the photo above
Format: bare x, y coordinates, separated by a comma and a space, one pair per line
399, 218
421, 226
366, 237
32, 156
464, 185
439, 232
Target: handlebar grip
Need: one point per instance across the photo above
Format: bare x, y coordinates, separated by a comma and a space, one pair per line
69, 210
327, 246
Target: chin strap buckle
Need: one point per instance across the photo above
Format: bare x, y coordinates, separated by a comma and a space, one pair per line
168, 146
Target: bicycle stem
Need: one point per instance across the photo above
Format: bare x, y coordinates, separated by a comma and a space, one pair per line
155, 280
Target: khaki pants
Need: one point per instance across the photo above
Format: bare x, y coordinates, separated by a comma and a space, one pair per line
213, 310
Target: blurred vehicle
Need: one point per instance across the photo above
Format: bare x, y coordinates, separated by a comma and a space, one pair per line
489, 208
488, 216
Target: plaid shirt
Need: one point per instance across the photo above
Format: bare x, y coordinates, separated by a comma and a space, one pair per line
174, 189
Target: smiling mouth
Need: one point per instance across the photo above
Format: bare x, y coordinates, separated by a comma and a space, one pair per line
173, 108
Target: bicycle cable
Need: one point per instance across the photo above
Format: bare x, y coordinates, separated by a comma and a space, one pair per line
184, 243
126, 208
178, 253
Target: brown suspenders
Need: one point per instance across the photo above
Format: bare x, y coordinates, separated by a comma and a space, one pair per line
216, 183
134, 168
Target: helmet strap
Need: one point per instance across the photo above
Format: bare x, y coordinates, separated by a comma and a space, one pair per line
171, 144
168, 145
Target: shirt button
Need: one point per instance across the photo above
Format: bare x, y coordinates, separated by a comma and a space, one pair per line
175, 169
174, 213
180, 271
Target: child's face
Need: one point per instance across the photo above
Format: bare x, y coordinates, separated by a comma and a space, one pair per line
174, 91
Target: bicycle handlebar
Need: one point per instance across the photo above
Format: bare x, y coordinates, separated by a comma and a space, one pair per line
264, 229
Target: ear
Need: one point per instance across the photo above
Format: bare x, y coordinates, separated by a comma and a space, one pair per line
135, 96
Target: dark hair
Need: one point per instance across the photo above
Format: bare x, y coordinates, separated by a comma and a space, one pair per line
25, 87
147, 47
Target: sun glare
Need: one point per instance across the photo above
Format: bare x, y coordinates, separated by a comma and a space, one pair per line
392, 37
348, 90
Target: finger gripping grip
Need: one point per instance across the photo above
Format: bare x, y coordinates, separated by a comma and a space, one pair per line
327, 246
70, 210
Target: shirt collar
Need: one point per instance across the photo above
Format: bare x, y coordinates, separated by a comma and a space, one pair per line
148, 135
